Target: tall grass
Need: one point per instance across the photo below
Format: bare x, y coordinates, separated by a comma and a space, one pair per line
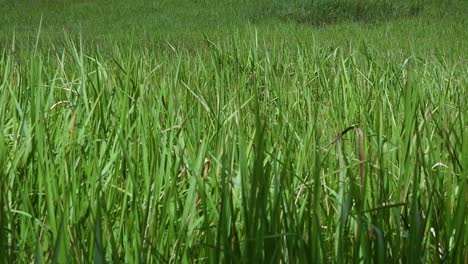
322, 13
236, 153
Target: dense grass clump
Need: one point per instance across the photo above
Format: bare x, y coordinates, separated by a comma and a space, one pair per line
241, 152
321, 13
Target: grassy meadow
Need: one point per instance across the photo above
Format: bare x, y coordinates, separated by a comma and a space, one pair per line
321, 131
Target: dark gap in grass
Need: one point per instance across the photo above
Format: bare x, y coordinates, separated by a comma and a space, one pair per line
324, 13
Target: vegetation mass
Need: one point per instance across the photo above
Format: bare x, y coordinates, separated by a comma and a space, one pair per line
233, 131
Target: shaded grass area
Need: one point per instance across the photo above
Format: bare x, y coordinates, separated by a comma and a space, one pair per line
322, 13
225, 155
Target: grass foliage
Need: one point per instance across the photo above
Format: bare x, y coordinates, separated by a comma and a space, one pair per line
244, 149
224, 155
322, 13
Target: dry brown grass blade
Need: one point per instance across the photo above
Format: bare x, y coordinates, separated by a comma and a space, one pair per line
206, 170
340, 135
360, 149
206, 167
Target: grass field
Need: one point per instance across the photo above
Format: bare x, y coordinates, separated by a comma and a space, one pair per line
234, 131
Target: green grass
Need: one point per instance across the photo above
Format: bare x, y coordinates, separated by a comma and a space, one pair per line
413, 26
278, 138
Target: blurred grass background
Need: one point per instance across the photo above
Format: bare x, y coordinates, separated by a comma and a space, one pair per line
400, 26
